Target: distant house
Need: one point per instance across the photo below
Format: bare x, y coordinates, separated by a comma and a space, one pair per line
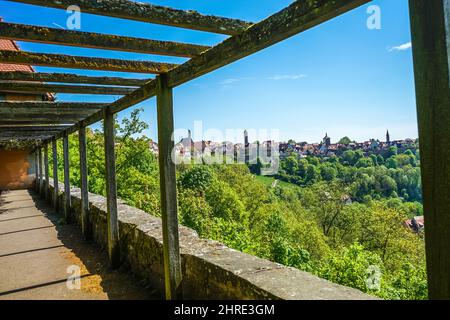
416, 224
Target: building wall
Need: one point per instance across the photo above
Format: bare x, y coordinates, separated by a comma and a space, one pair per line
16, 170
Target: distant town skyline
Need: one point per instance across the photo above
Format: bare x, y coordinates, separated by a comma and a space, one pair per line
239, 137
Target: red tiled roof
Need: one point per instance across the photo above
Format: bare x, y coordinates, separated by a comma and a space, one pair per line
11, 45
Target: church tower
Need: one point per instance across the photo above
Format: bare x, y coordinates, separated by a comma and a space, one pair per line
388, 138
246, 147
327, 140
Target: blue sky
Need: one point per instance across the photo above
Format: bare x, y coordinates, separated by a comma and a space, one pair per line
339, 77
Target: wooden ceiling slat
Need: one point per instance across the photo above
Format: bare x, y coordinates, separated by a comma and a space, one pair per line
296, 18
70, 78
39, 88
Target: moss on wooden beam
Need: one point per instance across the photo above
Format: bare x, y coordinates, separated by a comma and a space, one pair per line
16, 122
49, 112
40, 88
147, 12
70, 78
22, 138
55, 105
38, 118
30, 33
76, 62
20, 128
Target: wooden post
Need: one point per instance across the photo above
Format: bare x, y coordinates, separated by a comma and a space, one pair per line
36, 169
55, 175
111, 189
430, 26
168, 186
67, 204
85, 223
41, 172
46, 173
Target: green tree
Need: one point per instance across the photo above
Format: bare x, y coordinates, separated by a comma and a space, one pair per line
345, 140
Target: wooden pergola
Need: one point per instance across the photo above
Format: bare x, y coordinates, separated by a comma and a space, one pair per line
49, 121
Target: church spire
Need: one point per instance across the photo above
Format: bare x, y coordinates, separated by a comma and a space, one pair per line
388, 139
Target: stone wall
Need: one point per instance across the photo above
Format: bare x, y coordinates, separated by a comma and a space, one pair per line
210, 269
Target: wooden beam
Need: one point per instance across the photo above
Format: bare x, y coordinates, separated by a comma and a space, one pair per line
46, 172
21, 32
67, 199
36, 122
47, 128
430, 26
70, 78
26, 133
42, 88
77, 62
55, 175
147, 12
56, 105
85, 219
34, 117
296, 18
49, 112
168, 187
111, 189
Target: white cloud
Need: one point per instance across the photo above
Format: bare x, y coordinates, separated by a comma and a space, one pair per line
401, 47
288, 77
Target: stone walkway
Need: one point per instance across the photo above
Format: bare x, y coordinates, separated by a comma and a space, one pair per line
38, 253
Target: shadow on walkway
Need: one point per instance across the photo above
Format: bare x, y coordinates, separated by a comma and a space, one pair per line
96, 276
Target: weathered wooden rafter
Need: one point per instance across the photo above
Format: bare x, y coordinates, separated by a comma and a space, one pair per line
56, 105
23, 32
21, 128
30, 87
146, 12
76, 62
298, 17
37, 118
26, 138
26, 133
70, 78
15, 122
